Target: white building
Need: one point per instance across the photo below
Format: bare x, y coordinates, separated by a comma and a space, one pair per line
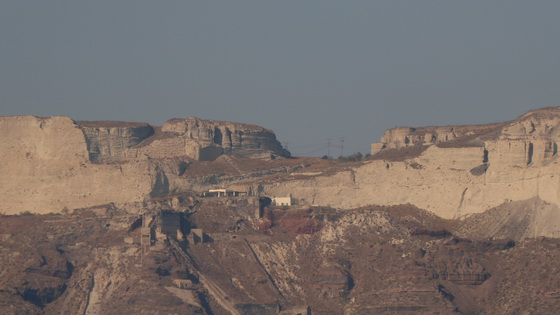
224, 193
282, 201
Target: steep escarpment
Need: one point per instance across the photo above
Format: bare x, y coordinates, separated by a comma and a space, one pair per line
198, 139
531, 138
109, 141
216, 137
403, 137
452, 226
475, 169
46, 168
54, 163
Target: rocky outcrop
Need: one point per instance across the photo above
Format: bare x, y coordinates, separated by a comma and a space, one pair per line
212, 138
402, 137
476, 169
109, 141
54, 163
529, 139
198, 139
46, 168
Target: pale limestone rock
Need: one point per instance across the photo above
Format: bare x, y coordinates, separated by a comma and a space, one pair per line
49, 164
213, 138
110, 141
46, 168
376, 148
406, 136
481, 167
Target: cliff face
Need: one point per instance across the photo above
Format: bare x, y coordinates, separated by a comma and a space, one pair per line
529, 139
203, 140
53, 163
109, 141
217, 137
456, 171
49, 164
45, 168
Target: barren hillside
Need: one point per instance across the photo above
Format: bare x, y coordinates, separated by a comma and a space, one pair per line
209, 217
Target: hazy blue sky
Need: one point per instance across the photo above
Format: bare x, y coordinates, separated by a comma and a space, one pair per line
309, 70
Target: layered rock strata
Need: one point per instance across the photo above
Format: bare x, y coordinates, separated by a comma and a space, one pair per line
475, 169
54, 163
206, 139
46, 167
202, 140
110, 141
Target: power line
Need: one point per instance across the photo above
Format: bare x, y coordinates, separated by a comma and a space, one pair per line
312, 150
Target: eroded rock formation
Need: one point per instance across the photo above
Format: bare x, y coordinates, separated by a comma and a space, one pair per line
451, 171
151, 249
54, 163
213, 137
109, 141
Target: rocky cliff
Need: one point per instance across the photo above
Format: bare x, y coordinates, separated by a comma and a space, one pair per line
46, 167
213, 138
109, 141
54, 163
198, 139
153, 244
451, 171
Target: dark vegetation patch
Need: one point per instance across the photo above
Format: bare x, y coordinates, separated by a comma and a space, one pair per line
479, 170
401, 154
432, 233
490, 132
300, 223
295, 221
356, 157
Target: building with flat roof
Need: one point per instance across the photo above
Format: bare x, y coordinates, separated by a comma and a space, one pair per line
223, 192
283, 201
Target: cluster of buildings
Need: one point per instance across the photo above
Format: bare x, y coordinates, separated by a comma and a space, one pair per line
224, 192
173, 226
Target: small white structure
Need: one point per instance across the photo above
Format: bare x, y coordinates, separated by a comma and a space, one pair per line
223, 193
220, 192
184, 284
282, 201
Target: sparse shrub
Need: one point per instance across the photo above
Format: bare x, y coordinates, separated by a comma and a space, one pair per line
300, 224
432, 233
264, 225
351, 158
